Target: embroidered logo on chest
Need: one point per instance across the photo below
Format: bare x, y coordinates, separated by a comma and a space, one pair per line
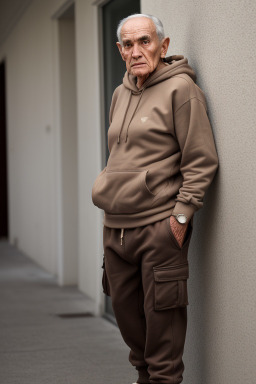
144, 119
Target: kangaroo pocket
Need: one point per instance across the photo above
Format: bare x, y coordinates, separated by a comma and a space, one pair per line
122, 191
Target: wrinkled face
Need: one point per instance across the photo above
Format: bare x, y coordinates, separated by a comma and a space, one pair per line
141, 49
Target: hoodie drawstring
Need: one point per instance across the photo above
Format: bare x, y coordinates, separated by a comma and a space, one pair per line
130, 96
126, 136
128, 105
122, 236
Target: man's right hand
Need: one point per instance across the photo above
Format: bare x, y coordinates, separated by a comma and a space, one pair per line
178, 230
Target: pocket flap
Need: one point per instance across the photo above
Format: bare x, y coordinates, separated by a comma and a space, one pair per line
171, 272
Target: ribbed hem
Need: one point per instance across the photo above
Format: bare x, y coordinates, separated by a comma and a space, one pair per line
186, 209
143, 375
137, 219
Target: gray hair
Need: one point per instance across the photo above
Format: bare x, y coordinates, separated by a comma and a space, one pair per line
158, 24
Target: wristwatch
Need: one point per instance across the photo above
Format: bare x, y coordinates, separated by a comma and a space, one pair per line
180, 217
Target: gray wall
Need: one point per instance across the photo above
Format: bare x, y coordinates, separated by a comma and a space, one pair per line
218, 38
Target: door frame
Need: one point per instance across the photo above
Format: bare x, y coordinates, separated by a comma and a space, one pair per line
3, 62
61, 275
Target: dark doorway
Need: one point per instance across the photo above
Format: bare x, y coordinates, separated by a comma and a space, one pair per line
3, 157
114, 67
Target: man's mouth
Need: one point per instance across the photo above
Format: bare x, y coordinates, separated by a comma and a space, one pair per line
137, 64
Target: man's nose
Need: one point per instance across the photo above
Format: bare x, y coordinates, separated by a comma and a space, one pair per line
136, 52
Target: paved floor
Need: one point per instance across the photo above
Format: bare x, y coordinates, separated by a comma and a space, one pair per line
37, 346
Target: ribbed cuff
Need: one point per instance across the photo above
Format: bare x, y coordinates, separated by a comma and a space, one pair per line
143, 375
186, 209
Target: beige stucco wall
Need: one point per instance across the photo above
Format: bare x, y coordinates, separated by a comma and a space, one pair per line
218, 38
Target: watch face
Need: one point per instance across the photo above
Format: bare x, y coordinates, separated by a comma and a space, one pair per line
182, 219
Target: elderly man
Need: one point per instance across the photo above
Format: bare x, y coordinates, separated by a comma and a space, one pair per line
162, 160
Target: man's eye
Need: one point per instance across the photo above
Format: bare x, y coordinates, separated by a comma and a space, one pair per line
145, 42
127, 45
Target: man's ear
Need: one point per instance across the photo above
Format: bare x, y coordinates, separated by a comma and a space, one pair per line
120, 49
165, 45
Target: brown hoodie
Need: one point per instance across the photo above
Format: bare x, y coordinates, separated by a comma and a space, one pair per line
162, 151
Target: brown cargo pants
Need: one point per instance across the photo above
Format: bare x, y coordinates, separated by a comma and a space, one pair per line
145, 272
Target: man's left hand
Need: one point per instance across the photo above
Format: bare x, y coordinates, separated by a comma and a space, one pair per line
179, 230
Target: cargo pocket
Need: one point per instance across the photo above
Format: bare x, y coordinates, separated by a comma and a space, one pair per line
105, 282
170, 283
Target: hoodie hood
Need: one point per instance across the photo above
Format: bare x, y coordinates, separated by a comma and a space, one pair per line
175, 65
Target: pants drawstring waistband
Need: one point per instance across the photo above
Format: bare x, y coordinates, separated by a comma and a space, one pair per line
121, 236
